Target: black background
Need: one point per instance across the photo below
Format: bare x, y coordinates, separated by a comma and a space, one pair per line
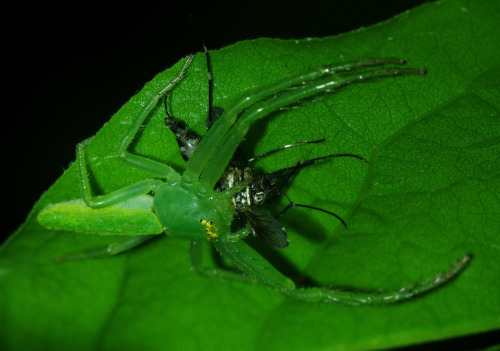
68, 67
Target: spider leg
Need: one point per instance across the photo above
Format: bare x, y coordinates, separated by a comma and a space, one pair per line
106, 250
147, 165
217, 148
114, 197
253, 265
252, 96
196, 253
323, 294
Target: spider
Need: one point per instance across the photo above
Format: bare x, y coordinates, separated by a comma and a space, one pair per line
257, 190
189, 206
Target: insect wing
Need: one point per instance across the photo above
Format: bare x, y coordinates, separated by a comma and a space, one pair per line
266, 227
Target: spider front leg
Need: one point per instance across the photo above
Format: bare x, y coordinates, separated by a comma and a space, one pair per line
219, 144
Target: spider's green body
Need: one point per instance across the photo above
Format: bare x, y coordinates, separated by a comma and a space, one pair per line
193, 200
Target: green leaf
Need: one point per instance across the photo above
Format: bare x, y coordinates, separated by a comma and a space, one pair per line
428, 196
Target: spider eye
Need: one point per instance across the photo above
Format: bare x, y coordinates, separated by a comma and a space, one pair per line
210, 228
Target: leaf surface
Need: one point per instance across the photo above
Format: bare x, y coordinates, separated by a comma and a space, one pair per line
428, 196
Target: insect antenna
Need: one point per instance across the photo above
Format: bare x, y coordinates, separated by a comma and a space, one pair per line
187, 139
210, 119
210, 114
284, 147
313, 161
293, 204
292, 171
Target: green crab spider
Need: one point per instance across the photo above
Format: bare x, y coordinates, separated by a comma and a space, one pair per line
186, 206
